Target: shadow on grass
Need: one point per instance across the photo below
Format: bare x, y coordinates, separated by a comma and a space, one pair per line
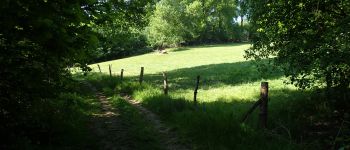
215, 75
295, 116
217, 125
178, 49
221, 45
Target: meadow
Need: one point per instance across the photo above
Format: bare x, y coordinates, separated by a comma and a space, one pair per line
229, 86
225, 73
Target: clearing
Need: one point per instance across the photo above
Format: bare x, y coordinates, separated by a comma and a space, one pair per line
229, 86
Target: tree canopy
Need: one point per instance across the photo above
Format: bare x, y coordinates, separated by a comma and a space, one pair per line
38, 41
120, 29
193, 21
309, 39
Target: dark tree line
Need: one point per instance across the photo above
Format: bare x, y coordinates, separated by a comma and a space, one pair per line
39, 39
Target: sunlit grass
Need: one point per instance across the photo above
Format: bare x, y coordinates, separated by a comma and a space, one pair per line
229, 86
184, 58
225, 73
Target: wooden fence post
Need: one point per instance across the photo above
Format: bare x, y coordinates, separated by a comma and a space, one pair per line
99, 68
121, 74
141, 75
195, 90
264, 92
110, 70
165, 82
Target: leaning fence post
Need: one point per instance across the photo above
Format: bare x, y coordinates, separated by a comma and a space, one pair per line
99, 68
256, 104
165, 84
264, 91
121, 74
110, 70
141, 75
195, 90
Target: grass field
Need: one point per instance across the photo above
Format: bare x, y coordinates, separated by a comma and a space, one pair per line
225, 73
229, 86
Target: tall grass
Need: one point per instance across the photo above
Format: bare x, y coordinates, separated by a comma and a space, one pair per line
60, 123
136, 132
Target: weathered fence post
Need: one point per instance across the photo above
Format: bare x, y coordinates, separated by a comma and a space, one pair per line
195, 90
110, 70
165, 82
99, 68
141, 75
121, 74
264, 91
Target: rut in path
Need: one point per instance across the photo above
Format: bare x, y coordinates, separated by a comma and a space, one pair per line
112, 132
168, 138
108, 127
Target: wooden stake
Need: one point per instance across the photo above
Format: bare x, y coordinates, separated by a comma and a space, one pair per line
165, 84
141, 75
121, 74
110, 70
196, 90
256, 104
264, 91
99, 68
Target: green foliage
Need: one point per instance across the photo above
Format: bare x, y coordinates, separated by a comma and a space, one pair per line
218, 20
192, 21
310, 39
167, 24
38, 41
117, 42
120, 29
56, 123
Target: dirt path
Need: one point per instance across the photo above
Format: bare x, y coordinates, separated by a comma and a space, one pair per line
111, 131
168, 138
107, 125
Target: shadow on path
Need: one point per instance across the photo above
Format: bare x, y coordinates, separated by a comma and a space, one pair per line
168, 137
107, 125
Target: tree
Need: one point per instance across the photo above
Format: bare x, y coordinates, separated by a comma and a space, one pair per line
121, 29
242, 9
220, 16
309, 39
167, 26
191, 21
39, 40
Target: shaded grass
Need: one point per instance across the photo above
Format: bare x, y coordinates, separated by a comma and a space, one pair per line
140, 134
216, 124
61, 123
